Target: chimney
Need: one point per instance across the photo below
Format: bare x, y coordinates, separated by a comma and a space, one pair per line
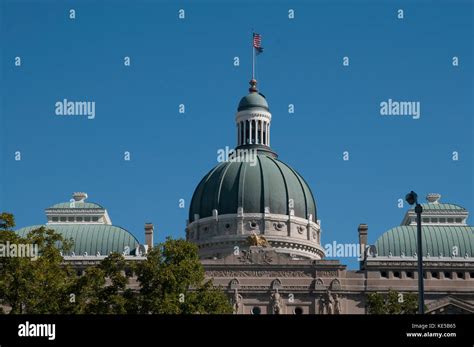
149, 235
363, 231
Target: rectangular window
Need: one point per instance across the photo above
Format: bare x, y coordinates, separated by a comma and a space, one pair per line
426, 220
458, 220
434, 220
450, 220
55, 219
78, 219
87, 219
442, 220
62, 219
70, 219
95, 219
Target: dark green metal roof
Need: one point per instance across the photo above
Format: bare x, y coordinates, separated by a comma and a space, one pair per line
252, 100
432, 206
76, 204
91, 238
436, 240
269, 183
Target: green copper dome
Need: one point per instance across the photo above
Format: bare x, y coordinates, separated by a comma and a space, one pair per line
91, 238
436, 240
266, 182
252, 100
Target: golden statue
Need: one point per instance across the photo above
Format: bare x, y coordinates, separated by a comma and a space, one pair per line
257, 240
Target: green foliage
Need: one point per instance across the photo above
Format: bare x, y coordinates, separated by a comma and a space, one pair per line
35, 285
392, 303
102, 289
7, 221
171, 280
207, 299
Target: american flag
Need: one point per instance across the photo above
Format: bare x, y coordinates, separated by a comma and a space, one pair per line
257, 42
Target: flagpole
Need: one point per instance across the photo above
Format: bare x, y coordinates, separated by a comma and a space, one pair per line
253, 58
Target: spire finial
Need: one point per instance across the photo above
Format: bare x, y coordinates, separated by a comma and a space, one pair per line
253, 86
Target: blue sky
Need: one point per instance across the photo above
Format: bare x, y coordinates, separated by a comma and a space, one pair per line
190, 61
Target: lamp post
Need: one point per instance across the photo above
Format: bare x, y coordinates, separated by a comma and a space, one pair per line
412, 198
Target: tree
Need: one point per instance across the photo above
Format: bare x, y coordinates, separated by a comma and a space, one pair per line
7, 221
172, 282
102, 289
392, 303
37, 284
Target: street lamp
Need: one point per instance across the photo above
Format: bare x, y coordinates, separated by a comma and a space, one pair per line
412, 198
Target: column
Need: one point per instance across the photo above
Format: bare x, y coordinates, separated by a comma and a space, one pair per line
266, 131
268, 134
256, 130
261, 132
250, 131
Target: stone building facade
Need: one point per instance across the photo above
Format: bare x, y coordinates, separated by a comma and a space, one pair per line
255, 222
237, 203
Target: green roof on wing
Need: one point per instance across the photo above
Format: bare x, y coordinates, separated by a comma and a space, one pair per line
91, 238
440, 206
436, 240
